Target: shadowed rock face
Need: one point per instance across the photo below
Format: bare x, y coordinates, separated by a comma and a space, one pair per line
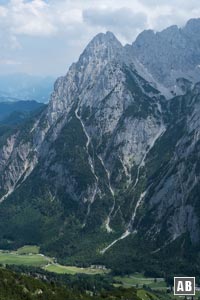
110, 158
171, 54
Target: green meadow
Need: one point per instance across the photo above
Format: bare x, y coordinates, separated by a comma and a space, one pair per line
28, 250
139, 280
12, 258
56, 268
29, 256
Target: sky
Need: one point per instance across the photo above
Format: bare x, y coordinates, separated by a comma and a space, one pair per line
43, 37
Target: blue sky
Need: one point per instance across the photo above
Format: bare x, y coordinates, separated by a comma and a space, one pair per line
45, 36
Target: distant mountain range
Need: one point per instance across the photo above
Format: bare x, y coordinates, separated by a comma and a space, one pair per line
14, 114
15, 87
170, 55
109, 172
8, 109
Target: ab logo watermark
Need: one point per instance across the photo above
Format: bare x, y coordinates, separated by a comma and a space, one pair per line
184, 286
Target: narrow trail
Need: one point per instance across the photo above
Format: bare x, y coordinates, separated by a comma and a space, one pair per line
24, 175
107, 222
90, 160
7, 194
123, 236
164, 246
87, 143
89, 205
136, 208
142, 163
131, 222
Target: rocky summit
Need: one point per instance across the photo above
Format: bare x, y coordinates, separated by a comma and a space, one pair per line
109, 171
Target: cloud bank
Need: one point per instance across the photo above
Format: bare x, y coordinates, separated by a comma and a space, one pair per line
46, 36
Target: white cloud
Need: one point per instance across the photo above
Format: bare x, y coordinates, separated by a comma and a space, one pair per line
173, 3
9, 62
125, 17
30, 18
47, 35
3, 12
123, 21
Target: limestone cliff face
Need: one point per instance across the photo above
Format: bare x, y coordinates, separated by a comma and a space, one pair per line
111, 149
170, 54
175, 194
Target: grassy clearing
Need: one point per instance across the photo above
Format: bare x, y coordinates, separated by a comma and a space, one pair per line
38, 260
139, 280
28, 249
29, 256
155, 295
56, 268
144, 295
12, 258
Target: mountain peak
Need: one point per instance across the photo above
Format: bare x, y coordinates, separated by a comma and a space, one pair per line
145, 35
170, 30
104, 46
107, 37
193, 22
192, 27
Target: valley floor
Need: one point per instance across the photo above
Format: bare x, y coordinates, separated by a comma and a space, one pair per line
30, 256
146, 288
